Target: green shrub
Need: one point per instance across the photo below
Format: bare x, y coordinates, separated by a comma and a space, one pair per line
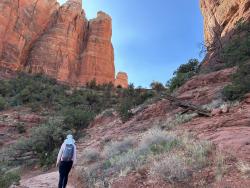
29, 89
92, 84
183, 74
5, 88
240, 83
77, 118
92, 98
7, 179
142, 97
124, 109
46, 141
157, 86
20, 128
2, 103
237, 50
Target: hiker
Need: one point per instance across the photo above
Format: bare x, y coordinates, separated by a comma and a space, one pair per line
66, 159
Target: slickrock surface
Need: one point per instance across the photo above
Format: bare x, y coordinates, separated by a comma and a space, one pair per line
204, 88
40, 36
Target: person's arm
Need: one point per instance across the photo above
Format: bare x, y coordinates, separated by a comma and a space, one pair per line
74, 156
60, 154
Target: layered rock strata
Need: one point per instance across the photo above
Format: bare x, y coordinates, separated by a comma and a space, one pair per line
220, 19
40, 36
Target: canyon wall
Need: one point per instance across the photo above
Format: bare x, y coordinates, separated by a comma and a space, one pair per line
220, 18
40, 36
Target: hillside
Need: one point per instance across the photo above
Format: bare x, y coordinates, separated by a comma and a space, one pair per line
193, 132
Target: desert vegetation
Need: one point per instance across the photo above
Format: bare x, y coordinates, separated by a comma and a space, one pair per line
163, 154
237, 53
66, 110
7, 178
183, 74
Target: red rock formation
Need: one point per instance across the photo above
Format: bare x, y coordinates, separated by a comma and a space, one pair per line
97, 61
39, 36
121, 80
21, 23
56, 53
220, 17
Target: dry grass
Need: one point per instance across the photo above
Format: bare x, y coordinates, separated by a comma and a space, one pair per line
214, 104
220, 166
170, 168
219, 103
91, 155
153, 151
118, 147
184, 118
197, 151
92, 174
177, 120
244, 168
155, 139
128, 161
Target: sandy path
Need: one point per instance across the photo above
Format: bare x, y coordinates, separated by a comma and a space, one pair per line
49, 180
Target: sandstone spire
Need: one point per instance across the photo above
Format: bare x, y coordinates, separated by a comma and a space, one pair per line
98, 56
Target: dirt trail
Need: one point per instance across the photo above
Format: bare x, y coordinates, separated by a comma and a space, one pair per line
48, 180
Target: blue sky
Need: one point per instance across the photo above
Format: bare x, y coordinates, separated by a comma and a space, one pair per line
151, 38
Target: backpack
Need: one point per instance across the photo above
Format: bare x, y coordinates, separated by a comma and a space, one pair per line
68, 152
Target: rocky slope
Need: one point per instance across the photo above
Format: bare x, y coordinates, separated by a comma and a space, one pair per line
229, 131
40, 36
220, 17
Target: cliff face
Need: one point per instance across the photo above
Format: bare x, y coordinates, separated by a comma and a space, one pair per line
39, 36
21, 24
56, 52
220, 17
97, 60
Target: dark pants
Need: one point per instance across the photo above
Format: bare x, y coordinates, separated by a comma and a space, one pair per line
64, 169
